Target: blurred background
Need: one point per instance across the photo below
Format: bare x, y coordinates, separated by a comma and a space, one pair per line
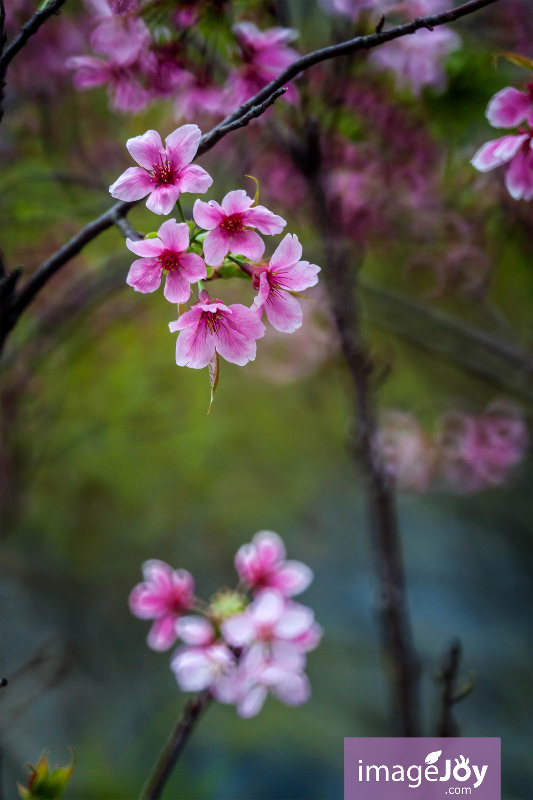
108, 457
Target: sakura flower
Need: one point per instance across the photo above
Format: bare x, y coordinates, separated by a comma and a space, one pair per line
270, 618
166, 253
285, 273
201, 664
478, 452
210, 326
265, 55
230, 225
125, 91
417, 60
518, 153
279, 671
164, 172
120, 34
510, 107
261, 564
406, 451
164, 596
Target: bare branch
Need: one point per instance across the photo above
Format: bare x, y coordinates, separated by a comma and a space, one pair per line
448, 677
174, 746
28, 29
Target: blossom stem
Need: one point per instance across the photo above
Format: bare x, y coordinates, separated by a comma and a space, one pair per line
242, 264
180, 210
172, 750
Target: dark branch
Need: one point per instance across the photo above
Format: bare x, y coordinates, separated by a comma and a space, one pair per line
28, 29
448, 677
174, 746
359, 43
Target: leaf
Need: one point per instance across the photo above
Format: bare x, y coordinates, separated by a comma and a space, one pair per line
515, 58
432, 757
151, 235
213, 368
256, 197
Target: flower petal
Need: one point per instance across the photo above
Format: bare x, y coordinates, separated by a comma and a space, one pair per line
216, 245
162, 634
193, 267
237, 334
268, 608
519, 176
239, 629
162, 199
270, 549
252, 702
287, 253
295, 621
508, 108
283, 311
133, 184
177, 287
195, 346
193, 670
298, 277
145, 275
497, 152
264, 220
236, 201
194, 630
175, 236
291, 578
292, 688
207, 215
145, 603
181, 145
146, 149
193, 179
248, 244
147, 248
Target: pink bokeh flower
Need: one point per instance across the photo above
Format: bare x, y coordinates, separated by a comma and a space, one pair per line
164, 596
265, 55
124, 89
230, 226
203, 662
406, 451
510, 107
517, 152
271, 618
478, 452
120, 34
164, 172
166, 253
261, 564
210, 326
284, 274
417, 60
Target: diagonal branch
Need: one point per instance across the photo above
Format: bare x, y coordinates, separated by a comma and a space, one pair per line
253, 108
28, 29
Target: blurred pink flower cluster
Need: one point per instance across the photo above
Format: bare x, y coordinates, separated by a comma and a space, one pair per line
510, 108
245, 643
140, 63
209, 326
468, 453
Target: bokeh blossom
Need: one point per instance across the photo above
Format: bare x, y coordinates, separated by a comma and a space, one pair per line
166, 253
261, 564
211, 326
230, 226
164, 172
406, 451
164, 596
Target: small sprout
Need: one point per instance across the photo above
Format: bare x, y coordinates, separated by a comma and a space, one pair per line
46, 784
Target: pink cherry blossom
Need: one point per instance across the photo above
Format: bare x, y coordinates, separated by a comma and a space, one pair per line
211, 326
265, 55
478, 452
417, 60
164, 596
271, 618
280, 671
125, 91
164, 172
166, 253
205, 660
121, 34
406, 452
261, 564
284, 274
230, 225
518, 153
510, 107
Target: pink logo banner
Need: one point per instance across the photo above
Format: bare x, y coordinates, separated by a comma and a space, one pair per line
422, 768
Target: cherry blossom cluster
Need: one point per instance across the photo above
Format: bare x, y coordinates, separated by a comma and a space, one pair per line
221, 234
142, 54
511, 108
467, 454
244, 643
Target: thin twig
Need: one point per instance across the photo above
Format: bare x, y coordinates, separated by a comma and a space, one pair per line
448, 677
174, 746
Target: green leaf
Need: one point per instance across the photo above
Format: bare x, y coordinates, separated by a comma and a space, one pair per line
213, 368
44, 784
256, 197
515, 58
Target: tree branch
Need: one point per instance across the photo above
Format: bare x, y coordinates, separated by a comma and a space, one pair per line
448, 677
253, 108
28, 29
172, 750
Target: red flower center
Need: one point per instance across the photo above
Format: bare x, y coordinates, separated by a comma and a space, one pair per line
164, 173
233, 223
169, 260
